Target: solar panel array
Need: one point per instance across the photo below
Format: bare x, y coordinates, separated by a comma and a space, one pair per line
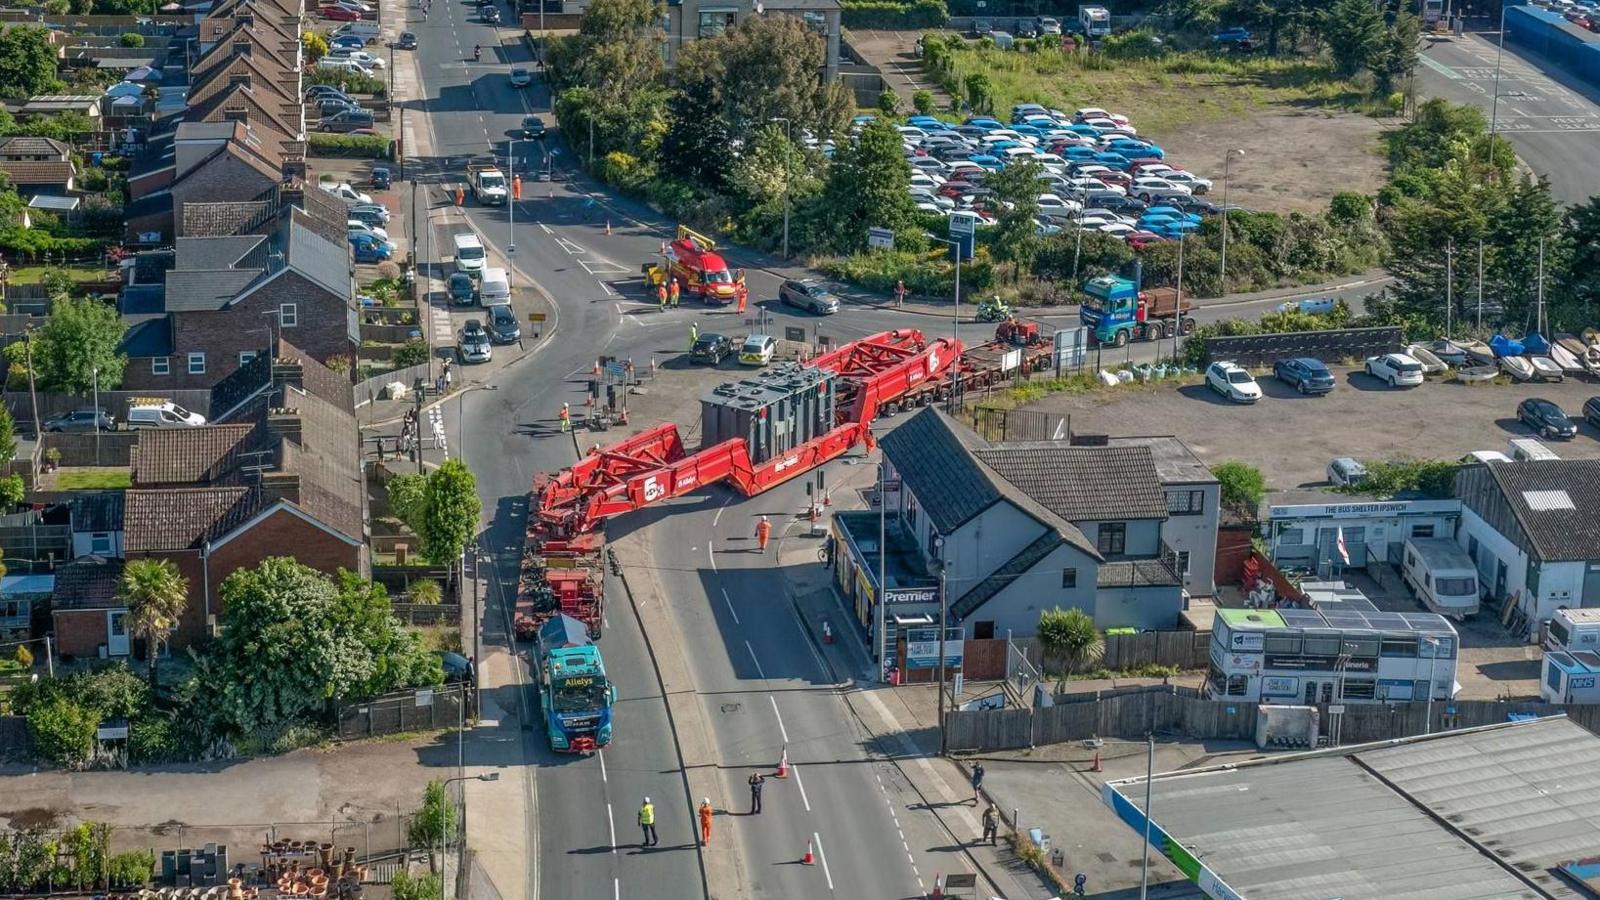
1351, 619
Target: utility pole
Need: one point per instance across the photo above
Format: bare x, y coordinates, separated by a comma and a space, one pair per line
1480, 284
1449, 283
788, 176
881, 619
944, 605
1178, 312
1222, 286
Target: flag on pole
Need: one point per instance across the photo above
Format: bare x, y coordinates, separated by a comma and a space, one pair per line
1342, 548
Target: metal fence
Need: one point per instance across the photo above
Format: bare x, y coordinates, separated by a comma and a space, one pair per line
1020, 424
423, 709
1328, 346
428, 613
1131, 713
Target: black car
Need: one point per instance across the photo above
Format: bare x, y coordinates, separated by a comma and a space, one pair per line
809, 296
1196, 205
84, 419
1546, 418
1591, 411
462, 289
1309, 376
489, 14
382, 178
532, 127
329, 105
407, 41
503, 328
1122, 203
711, 348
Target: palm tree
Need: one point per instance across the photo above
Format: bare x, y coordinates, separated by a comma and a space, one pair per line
156, 596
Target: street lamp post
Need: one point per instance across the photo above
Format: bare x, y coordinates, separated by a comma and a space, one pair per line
789, 139
484, 776
511, 173
1433, 660
1227, 162
938, 545
881, 616
96, 415
1494, 104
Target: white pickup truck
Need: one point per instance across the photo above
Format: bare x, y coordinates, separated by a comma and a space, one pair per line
488, 183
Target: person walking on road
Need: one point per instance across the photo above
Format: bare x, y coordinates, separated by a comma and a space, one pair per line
705, 821
991, 824
900, 293
694, 334
756, 781
566, 418
742, 294
672, 294
977, 782
647, 823
763, 533
661, 296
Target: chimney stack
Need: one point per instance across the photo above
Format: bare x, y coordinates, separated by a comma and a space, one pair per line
284, 423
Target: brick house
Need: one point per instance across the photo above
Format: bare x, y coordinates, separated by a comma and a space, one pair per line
88, 619
279, 475
199, 162
226, 297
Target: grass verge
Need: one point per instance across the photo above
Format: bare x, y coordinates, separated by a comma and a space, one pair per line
93, 479
35, 274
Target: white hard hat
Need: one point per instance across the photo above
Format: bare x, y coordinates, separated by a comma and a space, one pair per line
647, 799
705, 801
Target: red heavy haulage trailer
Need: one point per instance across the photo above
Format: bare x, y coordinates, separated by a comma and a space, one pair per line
759, 432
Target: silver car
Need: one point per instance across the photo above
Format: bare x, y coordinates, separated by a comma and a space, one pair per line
810, 296
474, 344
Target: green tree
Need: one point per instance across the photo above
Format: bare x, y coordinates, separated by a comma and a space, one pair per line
27, 62
1579, 286
131, 39
888, 102
450, 512
407, 494
1242, 485
434, 824
868, 185
980, 92
922, 102
156, 596
8, 436
376, 655
697, 146
1354, 32
277, 658
1396, 58
315, 45
1527, 221
1069, 638
763, 70
63, 731
80, 337
1016, 195
616, 52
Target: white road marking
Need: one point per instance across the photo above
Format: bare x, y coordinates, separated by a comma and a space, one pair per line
602, 755
712, 553
784, 732
824, 858
762, 673
725, 599
616, 888
607, 288
611, 823
546, 228
801, 785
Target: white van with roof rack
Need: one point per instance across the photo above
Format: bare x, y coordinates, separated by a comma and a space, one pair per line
158, 412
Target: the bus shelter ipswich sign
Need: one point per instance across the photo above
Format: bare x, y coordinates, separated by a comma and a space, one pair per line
1071, 345
922, 648
880, 238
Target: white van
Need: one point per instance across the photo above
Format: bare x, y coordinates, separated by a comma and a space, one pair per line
1442, 576
343, 64
1526, 449
370, 31
1573, 629
494, 288
155, 412
470, 256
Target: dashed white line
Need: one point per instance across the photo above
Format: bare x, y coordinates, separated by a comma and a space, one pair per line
607, 288
546, 228
616, 888
762, 673
824, 858
611, 823
784, 732
726, 599
802, 786
602, 755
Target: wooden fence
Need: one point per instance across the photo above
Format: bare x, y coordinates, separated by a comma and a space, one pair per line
109, 448
423, 709
1132, 713
372, 388
1184, 649
428, 613
113, 402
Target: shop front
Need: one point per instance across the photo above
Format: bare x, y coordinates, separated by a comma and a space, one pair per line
912, 597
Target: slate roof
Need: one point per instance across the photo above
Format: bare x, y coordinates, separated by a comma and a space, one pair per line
221, 219
184, 518
1083, 484
51, 172
1135, 573
96, 511
322, 261
146, 336
936, 464
205, 290
240, 251
204, 455
1556, 534
88, 582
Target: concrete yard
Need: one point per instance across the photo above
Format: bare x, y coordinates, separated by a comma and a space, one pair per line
1291, 437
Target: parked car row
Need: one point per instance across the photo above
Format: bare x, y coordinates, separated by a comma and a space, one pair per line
1309, 376
1582, 13
151, 413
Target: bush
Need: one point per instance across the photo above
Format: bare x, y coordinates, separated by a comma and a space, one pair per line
412, 353
1242, 484
1432, 477
34, 243
922, 102
131, 39
888, 14
63, 731
350, 146
1069, 639
24, 656
151, 739
889, 102
426, 591
133, 869
925, 275
354, 82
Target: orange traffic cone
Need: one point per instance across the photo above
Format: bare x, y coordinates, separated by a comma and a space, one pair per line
1095, 766
808, 859
938, 887
783, 764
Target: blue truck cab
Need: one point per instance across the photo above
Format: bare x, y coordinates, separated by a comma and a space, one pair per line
1116, 311
574, 692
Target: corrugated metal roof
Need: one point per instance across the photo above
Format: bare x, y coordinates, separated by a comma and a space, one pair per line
1558, 532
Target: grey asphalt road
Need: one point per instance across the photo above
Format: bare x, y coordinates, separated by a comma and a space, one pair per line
1551, 117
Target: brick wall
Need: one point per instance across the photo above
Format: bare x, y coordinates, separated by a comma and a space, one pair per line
219, 180
321, 331
80, 632
280, 534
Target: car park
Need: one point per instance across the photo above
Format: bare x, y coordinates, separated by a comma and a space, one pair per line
521, 77
503, 327
1150, 189
711, 349
461, 289
1140, 239
1304, 374
1346, 472
808, 295
1233, 382
472, 344
345, 192
88, 418
1193, 182
1394, 369
757, 350
1547, 419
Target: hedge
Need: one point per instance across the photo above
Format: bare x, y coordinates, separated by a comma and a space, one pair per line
350, 146
888, 14
31, 243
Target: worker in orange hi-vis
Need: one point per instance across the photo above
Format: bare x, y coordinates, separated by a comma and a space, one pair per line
763, 533
661, 296
461, 195
705, 821
672, 293
516, 187
566, 418
742, 293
